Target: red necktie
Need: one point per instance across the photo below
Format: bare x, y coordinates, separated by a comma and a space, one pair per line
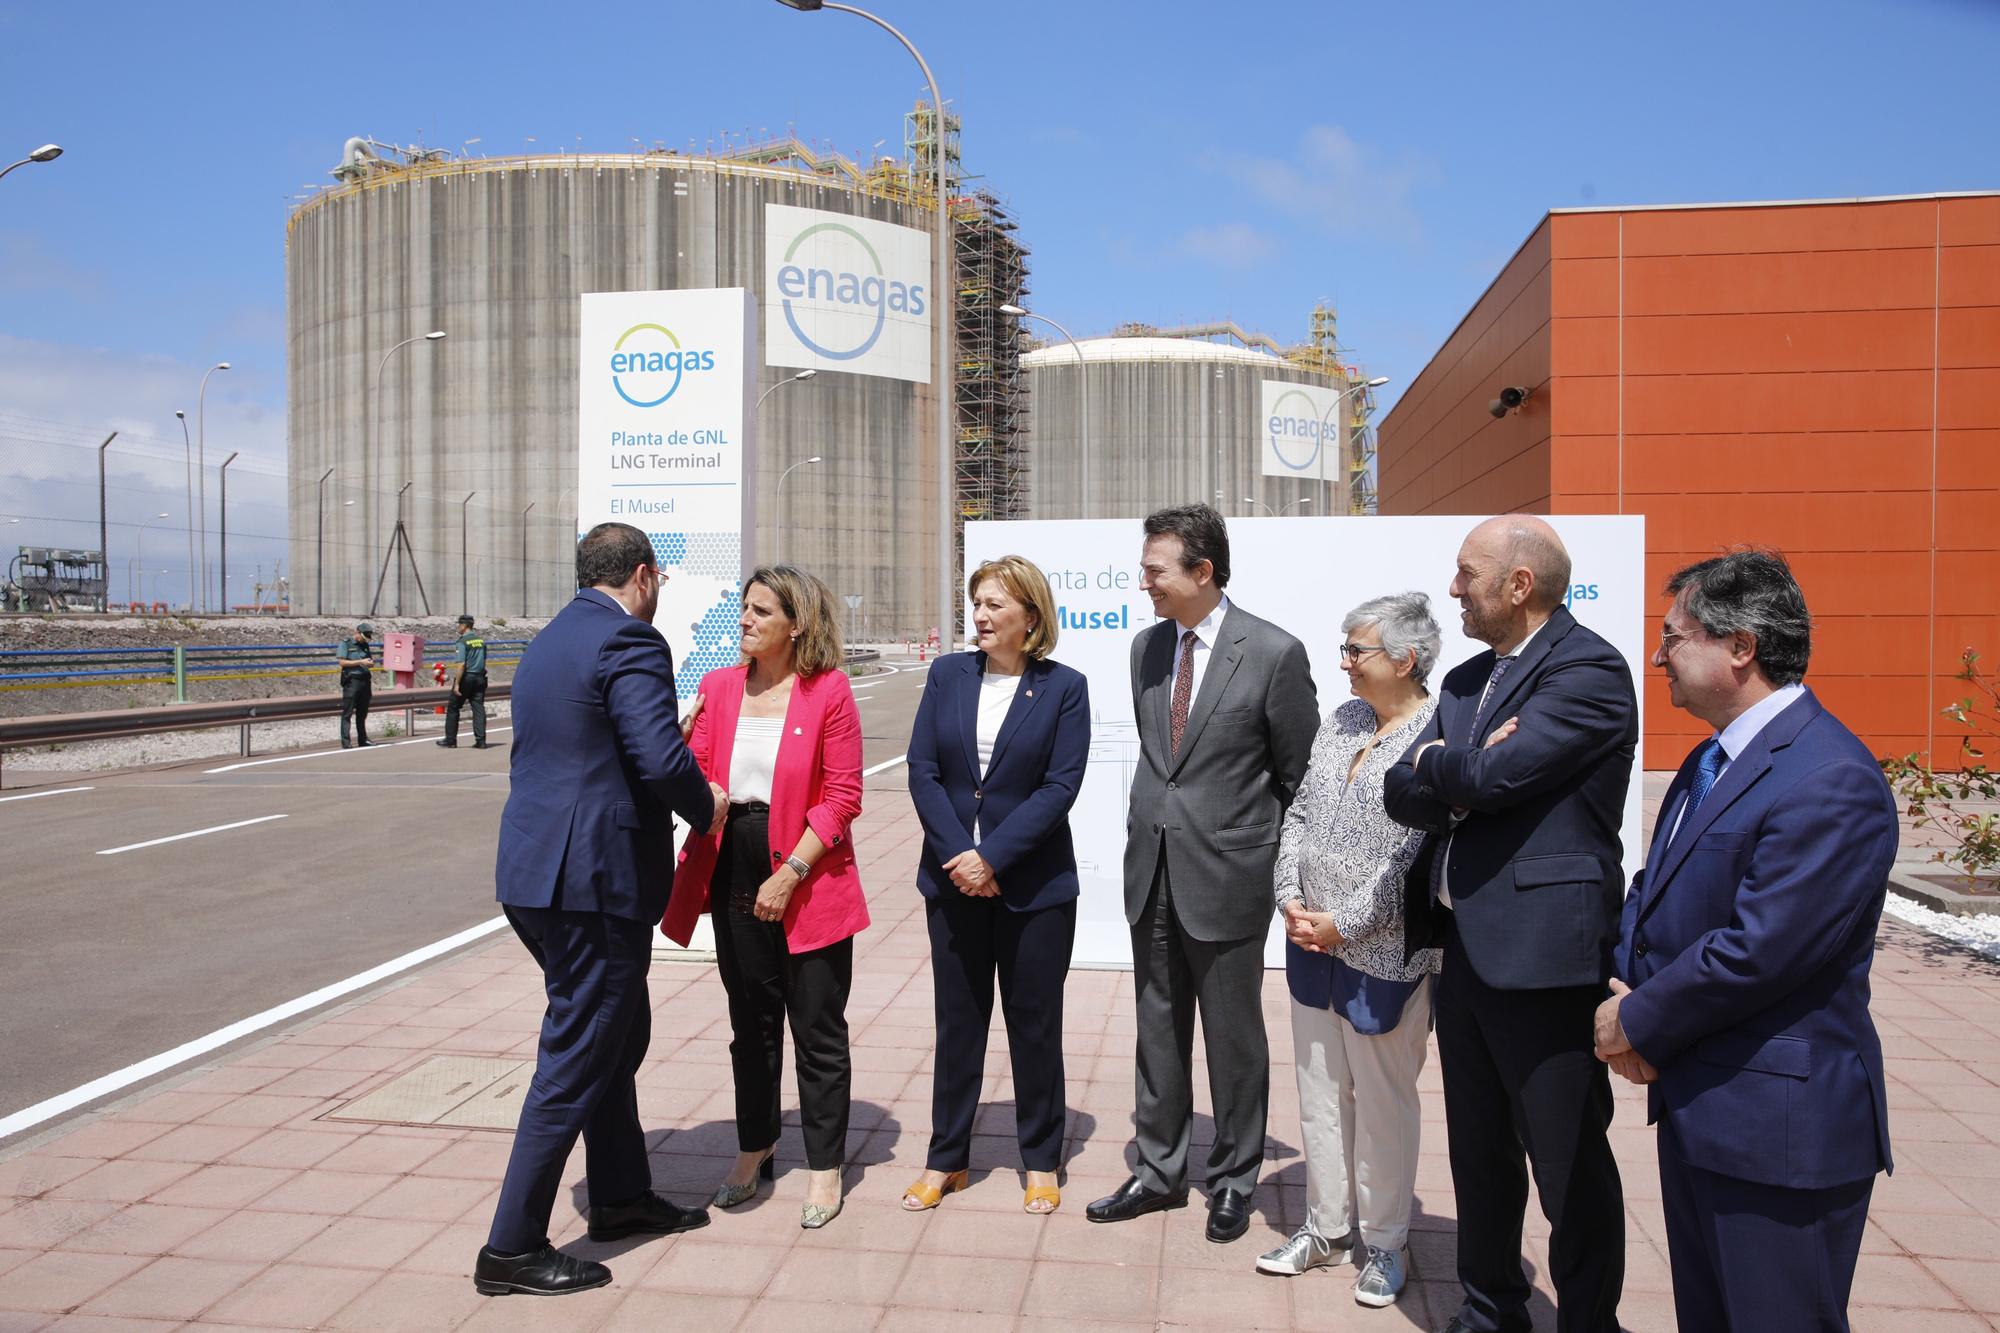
1183, 690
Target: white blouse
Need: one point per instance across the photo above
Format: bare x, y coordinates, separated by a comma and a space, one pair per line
754, 760
996, 696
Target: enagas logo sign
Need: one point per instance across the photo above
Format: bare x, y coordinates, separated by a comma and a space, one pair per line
1299, 429
852, 294
648, 361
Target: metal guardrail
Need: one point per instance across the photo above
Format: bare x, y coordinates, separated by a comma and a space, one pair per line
70, 728
59, 668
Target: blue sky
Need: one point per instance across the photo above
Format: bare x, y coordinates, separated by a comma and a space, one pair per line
1169, 162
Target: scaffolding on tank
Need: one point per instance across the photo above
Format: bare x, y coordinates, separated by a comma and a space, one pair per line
991, 266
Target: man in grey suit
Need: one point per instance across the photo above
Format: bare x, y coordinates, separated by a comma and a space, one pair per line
1226, 712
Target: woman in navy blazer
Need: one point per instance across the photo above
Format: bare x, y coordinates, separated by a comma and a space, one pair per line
995, 761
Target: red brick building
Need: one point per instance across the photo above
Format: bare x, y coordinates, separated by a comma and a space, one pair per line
1820, 377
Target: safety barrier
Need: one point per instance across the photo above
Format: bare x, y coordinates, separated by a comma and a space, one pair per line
71, 668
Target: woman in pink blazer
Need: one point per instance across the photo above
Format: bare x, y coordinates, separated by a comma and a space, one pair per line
781, 735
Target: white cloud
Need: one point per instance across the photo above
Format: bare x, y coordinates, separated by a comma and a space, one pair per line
1338, 185
1233, 245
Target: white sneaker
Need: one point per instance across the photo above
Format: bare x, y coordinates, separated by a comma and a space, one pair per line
1381, 1281
1304, 1251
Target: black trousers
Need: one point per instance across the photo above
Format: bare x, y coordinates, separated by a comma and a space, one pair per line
1757, 1257
1520, 1076
767, 984
594, 1036
471, 693
356, 689
971, 940
1175, 976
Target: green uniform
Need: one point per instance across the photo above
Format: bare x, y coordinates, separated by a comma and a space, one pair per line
471, 689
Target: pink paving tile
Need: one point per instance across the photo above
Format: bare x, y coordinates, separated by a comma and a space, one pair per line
253, 1237
91, 1323
60, 1280
145, 1228
585, 1310
33, 1174
229, 1078
365, 1242
123, 1181
262, 1111
791, 1316
384, 1154
171, 1288
1063, 1291
224, 1186
1888, 1319
1242, 1298
652, 1311
1941, 1235
291, 1296
705, 1268
324, 1192
479, 1158
450, 1251
428, 1199
293, 1148
895, 1320
194, 1143
948, 1282
1882, 1279
43, 1224
963, 1231
105, 1138
864, 1225
866, 1277
1068, 1235
177, 1108
1976, 1282
410, 1303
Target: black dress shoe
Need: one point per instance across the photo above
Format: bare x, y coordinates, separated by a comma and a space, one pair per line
543, 1272
1228, 1215
364, 742
648, 1214
481, 745
447, 745
1133, 1200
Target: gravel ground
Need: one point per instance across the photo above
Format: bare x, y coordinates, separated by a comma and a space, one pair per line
266, 738
1981, 934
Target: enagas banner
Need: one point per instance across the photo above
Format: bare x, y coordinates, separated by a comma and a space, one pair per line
1304, 575
665, 443
846, 293
1299, 431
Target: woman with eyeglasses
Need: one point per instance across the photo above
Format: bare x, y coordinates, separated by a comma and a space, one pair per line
1361, 1013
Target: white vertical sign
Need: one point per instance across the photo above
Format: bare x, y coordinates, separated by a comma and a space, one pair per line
665, 443
1302, 574
847, 293
1299, 431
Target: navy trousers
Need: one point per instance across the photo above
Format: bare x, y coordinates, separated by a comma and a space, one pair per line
594, 1034
1748, 1257
972, 939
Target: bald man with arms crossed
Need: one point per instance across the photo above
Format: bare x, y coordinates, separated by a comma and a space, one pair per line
1520, 782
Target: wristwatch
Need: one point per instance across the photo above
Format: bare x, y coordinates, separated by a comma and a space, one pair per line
803, 868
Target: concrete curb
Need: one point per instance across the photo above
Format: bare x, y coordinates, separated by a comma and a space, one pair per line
1904, 882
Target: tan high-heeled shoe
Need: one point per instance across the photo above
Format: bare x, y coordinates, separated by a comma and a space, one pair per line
930, 1196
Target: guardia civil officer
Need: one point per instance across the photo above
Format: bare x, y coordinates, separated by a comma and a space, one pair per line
468, 687
357, 686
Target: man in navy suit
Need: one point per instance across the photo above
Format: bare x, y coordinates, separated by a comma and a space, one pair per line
1519, 882
1744, 957
586, 864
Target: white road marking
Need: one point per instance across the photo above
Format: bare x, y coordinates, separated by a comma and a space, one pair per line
219, 828
123, 1078
886, 763
29, 796
324, 754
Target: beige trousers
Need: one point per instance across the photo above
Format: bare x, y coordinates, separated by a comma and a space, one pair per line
1360, 1117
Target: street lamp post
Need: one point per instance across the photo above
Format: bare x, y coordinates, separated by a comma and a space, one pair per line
319, 550
1303, 502
222, 522
1253, 500
941, 374
48, 152
400, 493
794, 379
524, 556
104, 525
375, 443
1083, 378
803, 462
464, 588
187, 459
1375, 383
201, 471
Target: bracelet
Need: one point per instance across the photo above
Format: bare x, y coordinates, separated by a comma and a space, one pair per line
802, 867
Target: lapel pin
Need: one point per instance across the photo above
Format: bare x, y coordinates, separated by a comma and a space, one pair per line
1031, 694
798, 731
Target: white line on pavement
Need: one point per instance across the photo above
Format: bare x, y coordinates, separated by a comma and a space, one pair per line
886, 763
110, 1083
219, 828
325, 754
29, 796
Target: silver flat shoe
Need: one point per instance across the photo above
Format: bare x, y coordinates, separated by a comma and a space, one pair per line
1381, 1282
1303, 1252
728, 1196
813, 1216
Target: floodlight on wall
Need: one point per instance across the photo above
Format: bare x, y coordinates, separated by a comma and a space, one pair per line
1510, 400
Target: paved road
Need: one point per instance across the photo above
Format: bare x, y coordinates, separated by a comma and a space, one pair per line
360, 856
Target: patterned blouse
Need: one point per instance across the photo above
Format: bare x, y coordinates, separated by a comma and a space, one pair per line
1341, 852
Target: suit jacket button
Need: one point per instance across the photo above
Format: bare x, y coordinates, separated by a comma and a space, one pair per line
775, 858
978, 795
1639, 949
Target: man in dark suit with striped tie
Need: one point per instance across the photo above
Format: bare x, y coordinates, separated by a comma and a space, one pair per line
1746, 943
1520, 780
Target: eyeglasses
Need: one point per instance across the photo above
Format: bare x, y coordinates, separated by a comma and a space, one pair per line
1351, 653
1669, 638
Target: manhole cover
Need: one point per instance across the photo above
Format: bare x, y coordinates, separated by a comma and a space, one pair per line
462, 1091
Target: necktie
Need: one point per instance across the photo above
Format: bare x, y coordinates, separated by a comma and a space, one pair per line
1183, 690
1709, 759
1500, 666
